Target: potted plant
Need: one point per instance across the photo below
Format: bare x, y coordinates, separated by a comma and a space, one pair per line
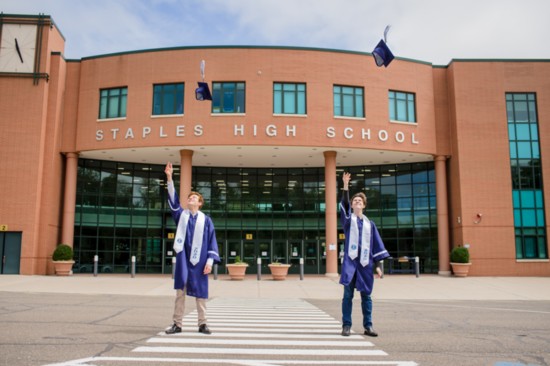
279, 271
460, 261
62, 258
237, 269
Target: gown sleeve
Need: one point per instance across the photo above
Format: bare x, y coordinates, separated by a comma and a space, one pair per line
174, 202
345, 208
213, 254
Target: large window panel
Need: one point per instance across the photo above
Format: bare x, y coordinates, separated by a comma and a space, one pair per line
168, 99
112, 103
228, 97
402, 106
526, 176
289, 98
293, 205
348, 101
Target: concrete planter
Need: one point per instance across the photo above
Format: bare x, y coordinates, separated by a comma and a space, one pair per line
237, 270
63, 268
279, 271
461, 269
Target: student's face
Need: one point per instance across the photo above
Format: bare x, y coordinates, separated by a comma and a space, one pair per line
193, 201
357, 203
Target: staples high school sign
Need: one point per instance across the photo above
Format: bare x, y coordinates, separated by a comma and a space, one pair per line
241, 130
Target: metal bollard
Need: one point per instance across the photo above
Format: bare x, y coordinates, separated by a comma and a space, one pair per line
382, 268
215, 270
133, 266
173, 267
417, 266
301, 269
259, 272
96, 260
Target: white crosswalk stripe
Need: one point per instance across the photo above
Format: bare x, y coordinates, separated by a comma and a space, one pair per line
256, 332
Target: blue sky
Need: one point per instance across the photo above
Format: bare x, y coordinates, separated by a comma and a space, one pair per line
434, 31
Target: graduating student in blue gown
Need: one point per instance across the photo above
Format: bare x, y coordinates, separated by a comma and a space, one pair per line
196, 251
363, 247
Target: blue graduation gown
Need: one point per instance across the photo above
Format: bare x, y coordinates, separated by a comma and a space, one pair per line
187, 274
365, 277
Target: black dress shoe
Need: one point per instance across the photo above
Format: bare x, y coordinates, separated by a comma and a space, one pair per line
204, 329
346, 329
370, 332
173, 329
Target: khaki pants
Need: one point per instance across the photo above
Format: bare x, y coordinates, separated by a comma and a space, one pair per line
179, 308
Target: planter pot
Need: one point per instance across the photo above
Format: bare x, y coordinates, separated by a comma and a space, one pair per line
460, 269
237, 271
279, 271
63, 268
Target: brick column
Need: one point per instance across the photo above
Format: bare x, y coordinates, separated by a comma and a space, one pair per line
443, 246
330, 214
69, 199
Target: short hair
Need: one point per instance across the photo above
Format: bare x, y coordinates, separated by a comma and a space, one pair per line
362, 196
201, 199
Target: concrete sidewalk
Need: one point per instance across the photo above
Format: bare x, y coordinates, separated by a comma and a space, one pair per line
409, 287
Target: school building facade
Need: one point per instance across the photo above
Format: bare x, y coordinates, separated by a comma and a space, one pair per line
448, 156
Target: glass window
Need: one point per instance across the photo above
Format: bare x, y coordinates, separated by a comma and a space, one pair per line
527, 195
228, 97
112, 103
289, 98
168, 99
402, 106
348, 101
134, 212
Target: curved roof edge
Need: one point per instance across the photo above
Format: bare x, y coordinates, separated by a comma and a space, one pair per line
244, 47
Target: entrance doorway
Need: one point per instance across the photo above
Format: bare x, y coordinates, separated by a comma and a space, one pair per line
10, 252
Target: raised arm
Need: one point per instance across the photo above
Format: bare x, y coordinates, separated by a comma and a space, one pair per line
169, 170
346, 177
173, 199
344, 203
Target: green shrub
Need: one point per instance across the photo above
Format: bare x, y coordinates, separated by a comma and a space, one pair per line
63, 252
460, 255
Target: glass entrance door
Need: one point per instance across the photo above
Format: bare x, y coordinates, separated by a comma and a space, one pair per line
234, 249
167, 254
250, 255
10, 252
311, 256
263, 248
295, 252
254, 249
279, 252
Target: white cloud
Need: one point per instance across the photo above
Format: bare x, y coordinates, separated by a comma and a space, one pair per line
428, 30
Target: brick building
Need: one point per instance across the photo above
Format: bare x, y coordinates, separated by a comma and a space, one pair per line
447, 155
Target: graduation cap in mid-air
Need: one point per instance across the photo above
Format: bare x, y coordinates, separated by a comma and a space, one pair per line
203, 91
382, 53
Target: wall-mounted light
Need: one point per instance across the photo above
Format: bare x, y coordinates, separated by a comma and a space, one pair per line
478, 218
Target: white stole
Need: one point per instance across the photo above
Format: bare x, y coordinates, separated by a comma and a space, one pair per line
354, 240
197, 235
